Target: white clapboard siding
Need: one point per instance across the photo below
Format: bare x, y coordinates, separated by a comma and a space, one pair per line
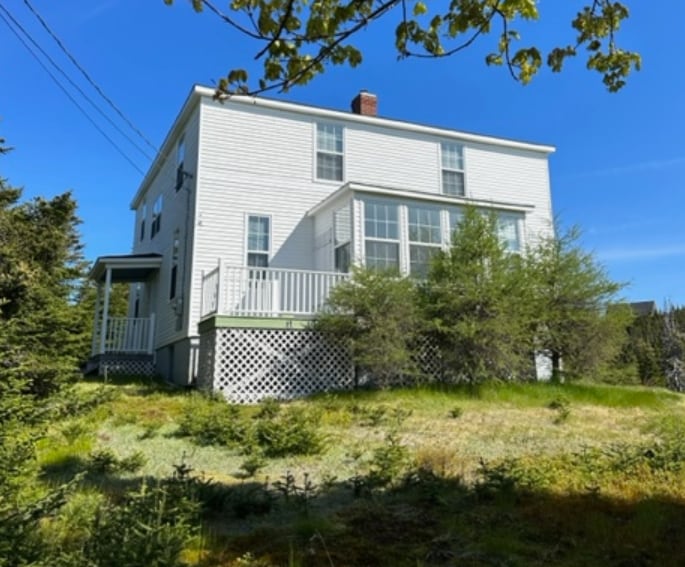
252, 158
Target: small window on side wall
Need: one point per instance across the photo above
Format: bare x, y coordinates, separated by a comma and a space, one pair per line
258, 241
143, 218
156, 224
180, 162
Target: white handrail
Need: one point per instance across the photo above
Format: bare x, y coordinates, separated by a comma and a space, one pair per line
271, 292
129, 335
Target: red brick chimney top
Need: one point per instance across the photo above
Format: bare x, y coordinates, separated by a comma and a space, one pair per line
365, 103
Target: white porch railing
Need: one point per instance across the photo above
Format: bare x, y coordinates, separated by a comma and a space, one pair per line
266, 292
133, 335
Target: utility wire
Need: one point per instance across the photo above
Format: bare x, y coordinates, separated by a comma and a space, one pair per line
87, 76
66, 92
76, 86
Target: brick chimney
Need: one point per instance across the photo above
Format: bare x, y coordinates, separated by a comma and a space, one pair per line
365, 103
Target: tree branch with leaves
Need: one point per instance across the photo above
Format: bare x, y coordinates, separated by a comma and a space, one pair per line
298, 39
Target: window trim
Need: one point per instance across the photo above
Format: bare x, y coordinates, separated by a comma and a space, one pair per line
443, 169
398, 241
344, 244
343, 136
246, 244
156, 224
436, 246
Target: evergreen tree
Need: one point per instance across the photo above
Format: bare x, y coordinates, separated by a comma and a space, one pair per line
477, 304
572, 295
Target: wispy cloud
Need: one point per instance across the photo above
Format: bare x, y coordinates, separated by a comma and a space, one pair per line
645, 253
95, 11
638, 167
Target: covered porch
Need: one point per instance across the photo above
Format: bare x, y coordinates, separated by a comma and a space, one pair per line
122, 344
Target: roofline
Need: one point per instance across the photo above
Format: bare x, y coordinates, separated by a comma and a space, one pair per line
191, 101
354, 188
198, 92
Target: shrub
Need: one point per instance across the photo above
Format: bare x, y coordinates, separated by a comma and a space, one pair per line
293, 432
213, 422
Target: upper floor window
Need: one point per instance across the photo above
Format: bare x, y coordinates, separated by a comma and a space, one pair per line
329, 152
180, 160
156, 225
143, 218
425, 238
381, 227
452, 158
173, 275
258, 241
509, 231
342, 235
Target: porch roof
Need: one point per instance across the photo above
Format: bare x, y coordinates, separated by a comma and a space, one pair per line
351, 188
126, 268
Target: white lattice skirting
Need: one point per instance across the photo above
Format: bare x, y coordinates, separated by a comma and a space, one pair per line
249, 365
127, 367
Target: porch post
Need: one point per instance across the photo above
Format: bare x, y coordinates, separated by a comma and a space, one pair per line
96, 318
151, 335
105, 310
221, 283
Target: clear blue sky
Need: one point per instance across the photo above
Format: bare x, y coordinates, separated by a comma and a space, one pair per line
618, 173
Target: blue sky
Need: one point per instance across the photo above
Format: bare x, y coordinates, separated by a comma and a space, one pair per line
618, 173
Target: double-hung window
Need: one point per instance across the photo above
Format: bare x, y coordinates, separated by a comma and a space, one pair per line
258, 241
156, 224
455, 217
329, 152
381, 227
509, 232
342, 232
425, 238
452, 158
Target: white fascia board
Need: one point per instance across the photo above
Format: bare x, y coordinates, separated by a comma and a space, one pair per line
359, 188
376, 121
103, 262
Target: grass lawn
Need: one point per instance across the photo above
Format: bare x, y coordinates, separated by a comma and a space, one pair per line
518, 474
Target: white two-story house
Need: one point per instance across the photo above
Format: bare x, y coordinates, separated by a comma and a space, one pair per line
255, 208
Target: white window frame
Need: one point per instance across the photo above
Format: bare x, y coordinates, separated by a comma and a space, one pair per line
343, 243
248, 251
436, 245
396, 241
317, 151
448, 169
156, 224
175, 254
517, 219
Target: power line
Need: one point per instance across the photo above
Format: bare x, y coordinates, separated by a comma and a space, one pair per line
87, 76
76, 86
71, 98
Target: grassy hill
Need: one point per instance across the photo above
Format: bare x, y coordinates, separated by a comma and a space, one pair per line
516, 474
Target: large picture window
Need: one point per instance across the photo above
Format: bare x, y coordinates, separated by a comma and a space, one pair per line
452, 157
258, 241
381, 227
329, 152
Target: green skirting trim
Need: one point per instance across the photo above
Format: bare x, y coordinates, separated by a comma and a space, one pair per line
224, 321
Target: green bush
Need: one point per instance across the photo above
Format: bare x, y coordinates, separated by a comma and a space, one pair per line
286, 433
213, 422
